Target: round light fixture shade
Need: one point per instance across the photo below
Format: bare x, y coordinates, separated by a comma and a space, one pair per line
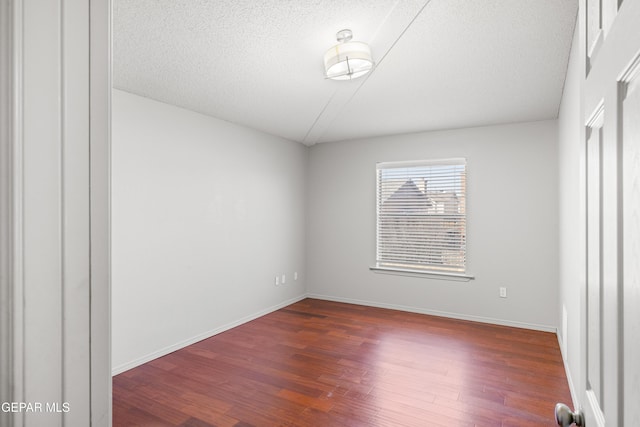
347, 60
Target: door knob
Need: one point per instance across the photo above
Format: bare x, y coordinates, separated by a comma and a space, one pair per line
564, 416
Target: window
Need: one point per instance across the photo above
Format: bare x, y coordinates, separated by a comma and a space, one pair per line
421, 216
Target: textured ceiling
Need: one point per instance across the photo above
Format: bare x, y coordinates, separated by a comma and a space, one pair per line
440, 64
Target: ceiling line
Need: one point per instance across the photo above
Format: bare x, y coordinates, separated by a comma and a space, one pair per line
566, 72
384, 56
319, 115
404, 31
369, 74
386, 18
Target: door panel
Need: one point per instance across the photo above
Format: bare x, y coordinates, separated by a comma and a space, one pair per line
631, 243
609, 12
594, 28
595, 380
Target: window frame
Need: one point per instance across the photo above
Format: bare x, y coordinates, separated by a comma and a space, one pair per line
414, 269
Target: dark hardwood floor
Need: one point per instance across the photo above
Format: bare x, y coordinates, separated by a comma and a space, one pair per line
320, 363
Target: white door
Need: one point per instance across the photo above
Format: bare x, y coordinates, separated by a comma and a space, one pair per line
610, 44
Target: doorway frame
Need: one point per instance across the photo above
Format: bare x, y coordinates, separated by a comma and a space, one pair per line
90, 22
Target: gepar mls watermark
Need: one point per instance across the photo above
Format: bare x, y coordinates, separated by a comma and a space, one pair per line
35, 407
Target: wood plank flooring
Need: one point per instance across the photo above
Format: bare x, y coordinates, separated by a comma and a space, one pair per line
320, 363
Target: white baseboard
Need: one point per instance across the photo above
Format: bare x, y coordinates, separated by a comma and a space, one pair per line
170, 349
545, 328
572, 389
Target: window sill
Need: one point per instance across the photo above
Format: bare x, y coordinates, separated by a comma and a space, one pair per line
459, 277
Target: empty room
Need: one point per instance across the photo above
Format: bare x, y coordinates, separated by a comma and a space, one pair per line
318, 213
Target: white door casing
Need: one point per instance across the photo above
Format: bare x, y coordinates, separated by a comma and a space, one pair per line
54, 198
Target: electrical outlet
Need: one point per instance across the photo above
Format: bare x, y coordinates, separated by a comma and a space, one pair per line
277, 281
284, 279
503, 292
295, 275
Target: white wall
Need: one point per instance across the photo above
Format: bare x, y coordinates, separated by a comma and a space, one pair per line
511, 232
205, 215
569, 155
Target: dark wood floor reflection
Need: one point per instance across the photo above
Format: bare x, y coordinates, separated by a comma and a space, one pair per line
319, 363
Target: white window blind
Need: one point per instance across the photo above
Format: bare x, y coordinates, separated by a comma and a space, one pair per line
421, 215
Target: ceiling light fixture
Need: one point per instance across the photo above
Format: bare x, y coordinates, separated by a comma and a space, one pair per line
347, 60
